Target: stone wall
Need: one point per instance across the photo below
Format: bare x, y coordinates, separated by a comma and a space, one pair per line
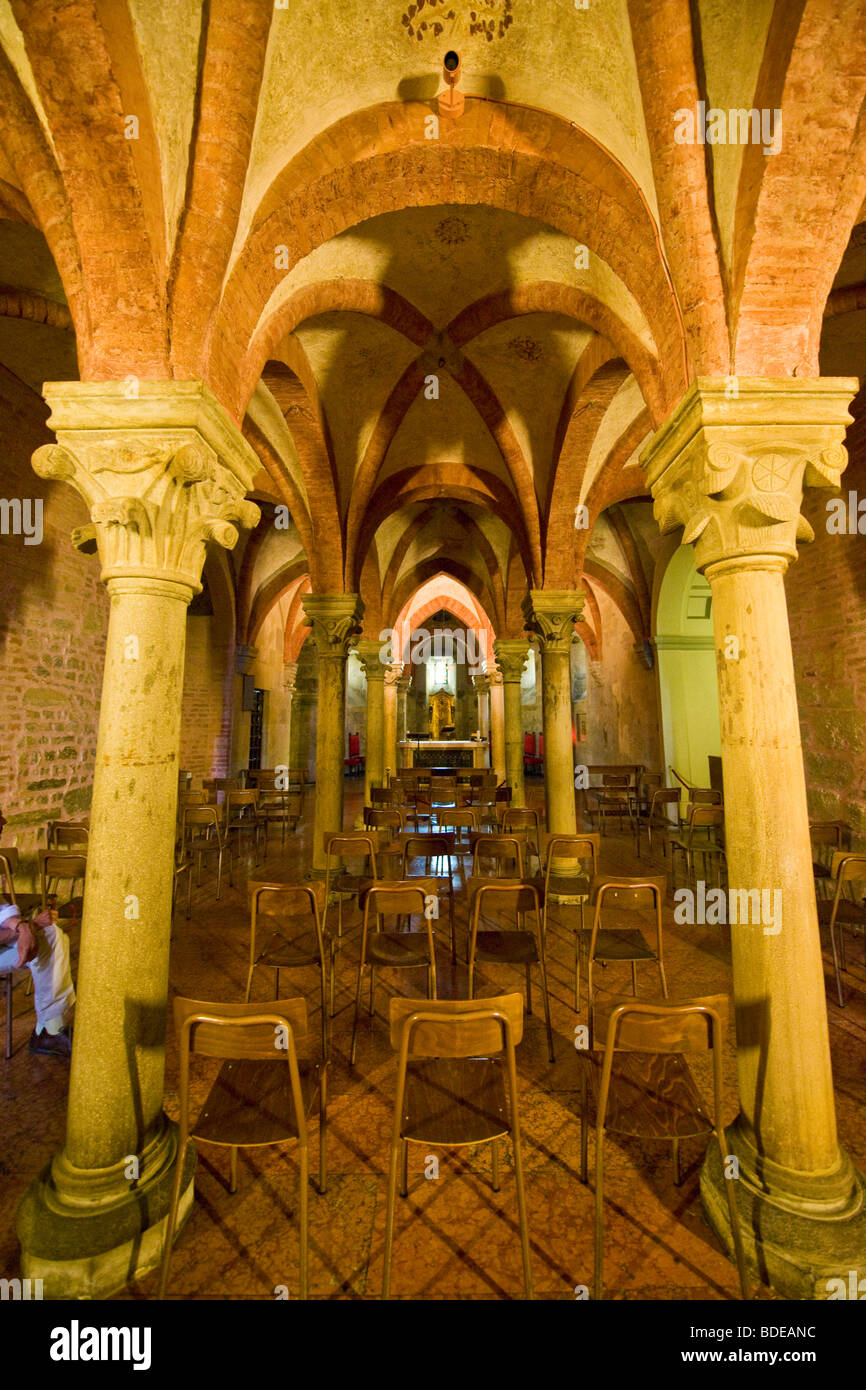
826, 590
205, 729
621, 705
53, 622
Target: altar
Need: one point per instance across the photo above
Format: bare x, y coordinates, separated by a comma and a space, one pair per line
443, 752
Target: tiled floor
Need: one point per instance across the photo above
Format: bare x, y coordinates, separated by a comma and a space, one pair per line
455, 1236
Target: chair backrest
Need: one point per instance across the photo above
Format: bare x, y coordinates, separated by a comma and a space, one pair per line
705, 796
350, 844
570, 847
541, 745
426, 847
665, 796
240, 1031
689, 1025
8, 869
354, 745
281, 901
700, 814
614, 782
61, 864
386, 818
466, 818
502, 849
631, 894
504, 793
518, 816
241, 800
68, 834
826, 832
846, 867
398, 897
496, 893
201, 815
202, 798
381, 796
454, 1028
529, 745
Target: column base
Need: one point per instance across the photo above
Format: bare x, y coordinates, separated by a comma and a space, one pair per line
799, 1232
87, 1237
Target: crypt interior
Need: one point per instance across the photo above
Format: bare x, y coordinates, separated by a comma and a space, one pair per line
433, 647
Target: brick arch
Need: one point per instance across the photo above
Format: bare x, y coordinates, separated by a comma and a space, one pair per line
297, 630
270, 592
521, 160
788, 250
441, 598
433, 569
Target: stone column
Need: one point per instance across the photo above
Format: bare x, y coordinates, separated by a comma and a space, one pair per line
404, 685
551, 616
392, 679
162, 474
497, 724
732, 472
511, 656
282, 749
336, 622
481, 686
303, 731
374, 669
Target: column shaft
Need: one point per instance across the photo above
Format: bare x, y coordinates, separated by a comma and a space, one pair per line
558, 754
497, 727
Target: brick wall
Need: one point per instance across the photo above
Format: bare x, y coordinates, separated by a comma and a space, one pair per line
53, 621
826, 590
621, 706
205, 733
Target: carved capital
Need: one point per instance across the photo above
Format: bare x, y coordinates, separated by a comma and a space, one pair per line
162, 472
336, 622
731, 471
512, 654
394, 674
494, 676
404, 684
551, 615
480, 684
370, 653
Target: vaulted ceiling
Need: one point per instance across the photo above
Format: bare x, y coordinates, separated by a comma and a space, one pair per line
442, 340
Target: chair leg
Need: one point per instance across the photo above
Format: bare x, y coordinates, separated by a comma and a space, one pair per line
599, 1214
324, 1010
219, 873
171, 1221
584, 1122
389, 1219
189, 892
357, 1011
8, 1015
233, 1170
404, 1168
323, 1131
304, 1205
528, 989
836, 968
494, 1159
634, 978
663, 980
675, 1155
250, 985
546, 1000
372, 987
524, 1229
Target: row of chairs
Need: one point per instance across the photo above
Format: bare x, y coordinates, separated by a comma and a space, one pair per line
456, 1086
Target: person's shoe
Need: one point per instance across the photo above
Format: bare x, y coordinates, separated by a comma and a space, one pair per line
51, 1044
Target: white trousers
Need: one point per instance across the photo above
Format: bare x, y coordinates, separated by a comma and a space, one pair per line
53, 991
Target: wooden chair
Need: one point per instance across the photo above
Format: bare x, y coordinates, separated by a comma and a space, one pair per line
523, 821
242, 818
845, 913
620, 940
264, 1093
201, 834
570, 885
291, 912
511, 946
388, 824
614, 799
395, 949
704, 827
341, 883
58, 866
456, 1087
659, 818
429, 849
356, 762
504, 852
824, 835
26, 902
73, 835
642, 1086
460, 823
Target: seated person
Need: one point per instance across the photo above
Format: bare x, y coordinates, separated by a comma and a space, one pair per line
44, 948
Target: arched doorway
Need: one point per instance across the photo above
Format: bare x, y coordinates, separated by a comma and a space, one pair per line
687, 669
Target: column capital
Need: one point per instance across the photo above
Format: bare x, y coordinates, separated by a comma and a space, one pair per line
162, 471
730, 463
394, 674
551, 615
404, 684
480, 684
512, 654
370, 653
244, 658
335, 620
494, 677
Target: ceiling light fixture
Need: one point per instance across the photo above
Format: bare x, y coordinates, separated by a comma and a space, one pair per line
451, 102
